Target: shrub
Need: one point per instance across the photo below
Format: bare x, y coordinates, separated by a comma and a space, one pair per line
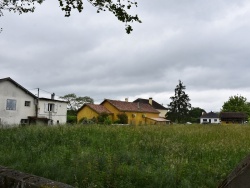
122, 118
71, 119
103, 118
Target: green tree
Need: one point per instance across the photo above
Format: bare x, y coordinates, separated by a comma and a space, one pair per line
236, 103
195, 114
179, 107
75, 102
118, 8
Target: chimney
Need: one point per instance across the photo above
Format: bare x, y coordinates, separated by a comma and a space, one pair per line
126, 99
53, 96
150, 101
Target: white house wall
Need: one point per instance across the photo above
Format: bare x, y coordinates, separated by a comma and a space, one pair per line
58, 115
210, 120
8, 90
162, 113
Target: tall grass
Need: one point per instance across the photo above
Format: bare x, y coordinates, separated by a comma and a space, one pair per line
127, 156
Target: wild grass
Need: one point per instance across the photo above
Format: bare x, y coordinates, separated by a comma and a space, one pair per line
127, 156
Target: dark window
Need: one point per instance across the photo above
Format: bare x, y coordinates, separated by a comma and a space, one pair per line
27, 103
24, 121
204, 119
11, 104
51, 107
215, 119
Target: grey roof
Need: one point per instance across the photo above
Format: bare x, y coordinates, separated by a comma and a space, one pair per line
240, 115
210, 115
54, 100
155, 104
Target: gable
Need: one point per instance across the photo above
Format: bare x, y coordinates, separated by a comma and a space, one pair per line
4, 82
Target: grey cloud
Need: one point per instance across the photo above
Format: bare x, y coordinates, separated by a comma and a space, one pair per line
204, 44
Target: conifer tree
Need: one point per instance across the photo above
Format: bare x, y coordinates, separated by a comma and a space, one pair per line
179, 107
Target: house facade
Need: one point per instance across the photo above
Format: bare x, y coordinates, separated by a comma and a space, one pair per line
54, 110
20, 106
91, 111
210, 118
138, 113
16, 103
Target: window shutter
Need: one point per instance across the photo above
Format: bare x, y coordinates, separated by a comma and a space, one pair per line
55, 108
45, 107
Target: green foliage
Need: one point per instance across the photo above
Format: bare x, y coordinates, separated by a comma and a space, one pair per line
236, 103
85, 120
71, 112
75, 102
127, 156
103, 118
71, 119
178, 109
195, 114
122, 118
118, 8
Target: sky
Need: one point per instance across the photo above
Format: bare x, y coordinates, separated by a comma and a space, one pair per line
205, 44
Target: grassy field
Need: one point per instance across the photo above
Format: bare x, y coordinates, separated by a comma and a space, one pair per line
127, 156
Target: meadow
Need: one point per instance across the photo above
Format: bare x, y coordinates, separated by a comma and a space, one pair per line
127, 156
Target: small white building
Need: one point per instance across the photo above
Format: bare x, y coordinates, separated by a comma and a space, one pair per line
20, 106
210, 118
54, 110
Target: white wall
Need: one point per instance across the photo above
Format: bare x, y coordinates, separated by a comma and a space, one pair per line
209, 120
162, 113
59, 113
10, 91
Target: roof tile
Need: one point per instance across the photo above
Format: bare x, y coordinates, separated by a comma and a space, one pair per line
131, 106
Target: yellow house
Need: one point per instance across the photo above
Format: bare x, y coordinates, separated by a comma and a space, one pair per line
90, 111
138, 113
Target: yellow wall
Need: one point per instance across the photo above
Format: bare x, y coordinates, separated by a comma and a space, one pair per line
112, 109
137, 120
87, 112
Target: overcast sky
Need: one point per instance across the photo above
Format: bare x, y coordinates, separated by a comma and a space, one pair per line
205, 44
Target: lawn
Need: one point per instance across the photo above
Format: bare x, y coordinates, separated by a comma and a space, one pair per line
127, 156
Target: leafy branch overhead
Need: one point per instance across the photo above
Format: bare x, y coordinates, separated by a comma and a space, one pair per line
119, 8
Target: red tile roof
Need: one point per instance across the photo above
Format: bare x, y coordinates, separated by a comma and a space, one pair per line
97, 108
131, 107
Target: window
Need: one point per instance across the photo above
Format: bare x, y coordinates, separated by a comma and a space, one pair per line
215, 120
27, 103
11, 104
50, 107
204, 119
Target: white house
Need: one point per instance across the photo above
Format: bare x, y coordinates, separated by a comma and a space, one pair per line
54, 110
208, 118
20, 106
16, 102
